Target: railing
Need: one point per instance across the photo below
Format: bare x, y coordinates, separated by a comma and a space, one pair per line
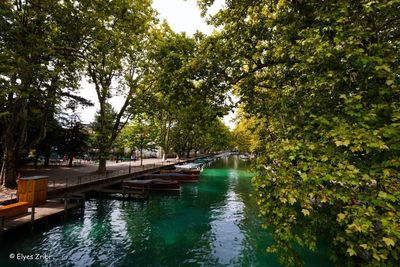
60, 183
56, 183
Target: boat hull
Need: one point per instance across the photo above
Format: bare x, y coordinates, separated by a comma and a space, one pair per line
180, 177
190, 166
152, 184
184, 171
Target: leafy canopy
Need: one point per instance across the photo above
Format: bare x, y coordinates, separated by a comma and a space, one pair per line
324, 77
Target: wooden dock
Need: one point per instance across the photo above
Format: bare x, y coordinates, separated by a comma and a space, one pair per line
77, 193
61, 207
47, 210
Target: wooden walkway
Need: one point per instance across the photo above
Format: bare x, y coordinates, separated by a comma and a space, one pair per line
77, 192
41, 212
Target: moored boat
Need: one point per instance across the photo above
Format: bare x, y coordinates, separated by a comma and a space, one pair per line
244, 157
152, 184
180, 177
189, 166
203, 160
186, 171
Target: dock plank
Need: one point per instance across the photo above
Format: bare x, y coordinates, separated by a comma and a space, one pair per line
41, 212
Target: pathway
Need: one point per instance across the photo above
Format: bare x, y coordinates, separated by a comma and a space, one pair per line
63, 176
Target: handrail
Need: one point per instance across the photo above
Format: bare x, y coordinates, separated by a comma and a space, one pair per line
66, 182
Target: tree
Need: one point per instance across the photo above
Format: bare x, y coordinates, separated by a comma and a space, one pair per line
324, 78
185, 100
140, 134
248, 133
215, 136
75, 137
194, 120
103, 128
54, 137
38, 40
171, 82
115, 55
65, 133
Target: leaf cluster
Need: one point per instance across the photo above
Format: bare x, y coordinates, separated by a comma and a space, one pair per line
324, 79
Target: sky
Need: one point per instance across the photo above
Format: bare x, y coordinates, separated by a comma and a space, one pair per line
182, 16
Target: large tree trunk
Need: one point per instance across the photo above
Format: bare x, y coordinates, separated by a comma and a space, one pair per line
103, 139
141, 156
166, 142
71, 158
103, 156
8, 173
102, 165
102, 160
9, 168
47, 154
102, 85
15, 138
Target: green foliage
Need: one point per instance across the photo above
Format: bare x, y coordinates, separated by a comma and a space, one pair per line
117, 38
215, 137
248, 134
140, 134
185, 102
103, 128
75, 137
324, 77
39, 41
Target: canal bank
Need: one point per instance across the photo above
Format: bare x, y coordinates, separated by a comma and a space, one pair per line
60, 201
211, 223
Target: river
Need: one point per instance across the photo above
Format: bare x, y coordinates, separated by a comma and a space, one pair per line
211, 223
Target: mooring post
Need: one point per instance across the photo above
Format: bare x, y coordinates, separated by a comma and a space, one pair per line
65, 207
1, 227
83, 205
32, 216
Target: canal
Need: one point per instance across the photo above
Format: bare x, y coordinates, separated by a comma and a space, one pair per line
211, 223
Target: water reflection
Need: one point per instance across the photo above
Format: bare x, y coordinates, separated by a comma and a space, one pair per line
212, 223
226, 234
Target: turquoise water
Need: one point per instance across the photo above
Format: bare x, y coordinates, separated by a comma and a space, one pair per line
212, 223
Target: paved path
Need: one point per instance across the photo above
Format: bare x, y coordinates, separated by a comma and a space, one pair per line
63, 176
63, 171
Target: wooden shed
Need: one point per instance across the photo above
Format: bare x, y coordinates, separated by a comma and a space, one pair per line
33, 190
